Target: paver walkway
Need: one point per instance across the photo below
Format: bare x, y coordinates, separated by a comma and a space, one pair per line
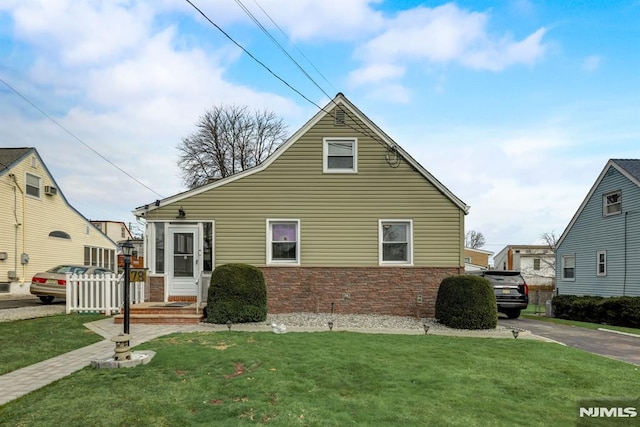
22, 381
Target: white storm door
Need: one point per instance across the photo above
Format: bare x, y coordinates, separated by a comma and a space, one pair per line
183, 260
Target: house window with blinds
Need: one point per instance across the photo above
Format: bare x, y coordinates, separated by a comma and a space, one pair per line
612, 203
33, 185
340, 155
395, 245
569, 267
283, 241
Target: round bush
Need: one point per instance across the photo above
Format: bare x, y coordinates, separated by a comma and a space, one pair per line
466, 302
237, 293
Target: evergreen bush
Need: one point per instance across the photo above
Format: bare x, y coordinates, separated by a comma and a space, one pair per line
237, 293
618, 311
466, 302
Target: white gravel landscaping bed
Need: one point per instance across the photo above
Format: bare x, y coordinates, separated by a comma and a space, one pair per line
11, 314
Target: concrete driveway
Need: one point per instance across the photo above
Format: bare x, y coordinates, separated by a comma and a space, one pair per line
616, 346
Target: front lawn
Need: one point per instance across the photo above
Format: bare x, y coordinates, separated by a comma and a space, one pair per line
332, 379
25, 342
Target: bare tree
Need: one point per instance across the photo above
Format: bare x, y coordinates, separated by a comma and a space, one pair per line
228, 140
546, 270
550, 239
474, 239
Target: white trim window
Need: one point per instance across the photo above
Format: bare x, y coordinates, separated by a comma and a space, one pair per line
395, 241
536, 264
33, 185
601, 263
340, 155
283, 241
612, 203
569, 268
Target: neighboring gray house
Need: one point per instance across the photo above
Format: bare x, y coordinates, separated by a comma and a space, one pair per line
599, 252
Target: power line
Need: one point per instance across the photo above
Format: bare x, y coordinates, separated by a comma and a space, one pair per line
27, 100
251, 56
362, 130
282, 49
295, 46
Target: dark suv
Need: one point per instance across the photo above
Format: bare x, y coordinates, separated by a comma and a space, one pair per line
512, 292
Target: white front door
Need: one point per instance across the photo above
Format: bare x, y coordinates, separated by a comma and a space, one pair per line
183, 259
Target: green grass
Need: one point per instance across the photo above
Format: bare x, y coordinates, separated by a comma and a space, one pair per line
25, 342
580, 324
332, 379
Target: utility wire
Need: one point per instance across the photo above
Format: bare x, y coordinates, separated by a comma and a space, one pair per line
295, 46
250, 55
78, 139
362, 130
282, 49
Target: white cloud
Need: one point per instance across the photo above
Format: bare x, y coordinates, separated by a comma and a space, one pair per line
323, 20
111, 74
446, 34
375, 73
438, 35
498, 55
591, 63
82, 32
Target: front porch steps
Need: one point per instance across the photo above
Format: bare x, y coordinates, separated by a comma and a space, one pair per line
163, 313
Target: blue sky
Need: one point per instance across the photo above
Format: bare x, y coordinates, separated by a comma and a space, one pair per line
515, 106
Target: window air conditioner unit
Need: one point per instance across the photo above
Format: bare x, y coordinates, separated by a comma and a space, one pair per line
50, 190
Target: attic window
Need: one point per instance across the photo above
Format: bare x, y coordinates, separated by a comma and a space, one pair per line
339, 117
340, 155
59, 234
612, 203
33, 185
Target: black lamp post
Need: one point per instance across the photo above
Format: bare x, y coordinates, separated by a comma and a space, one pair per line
127, 249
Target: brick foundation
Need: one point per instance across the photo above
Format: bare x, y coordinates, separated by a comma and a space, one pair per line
156, 288
355, 290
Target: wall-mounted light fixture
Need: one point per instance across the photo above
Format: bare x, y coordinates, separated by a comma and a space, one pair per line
181, 213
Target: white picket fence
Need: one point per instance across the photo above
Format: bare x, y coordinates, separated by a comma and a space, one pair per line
102, 293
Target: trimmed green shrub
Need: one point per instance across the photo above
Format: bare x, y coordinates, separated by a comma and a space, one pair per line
618, 311
237, 293
562, 305
466, 302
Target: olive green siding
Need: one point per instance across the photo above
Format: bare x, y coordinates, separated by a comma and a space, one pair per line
338, 213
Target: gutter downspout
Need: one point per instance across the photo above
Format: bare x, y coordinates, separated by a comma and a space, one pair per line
624, 281
17, 224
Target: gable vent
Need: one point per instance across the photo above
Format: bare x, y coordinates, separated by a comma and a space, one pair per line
339, 117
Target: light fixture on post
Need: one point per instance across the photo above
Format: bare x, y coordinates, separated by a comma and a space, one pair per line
127, 250
181, 213
122, 340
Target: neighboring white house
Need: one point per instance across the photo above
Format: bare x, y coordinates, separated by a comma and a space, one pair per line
115, 230
535, 262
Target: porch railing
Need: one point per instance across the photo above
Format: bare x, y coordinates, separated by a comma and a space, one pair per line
199, 290
102, 293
